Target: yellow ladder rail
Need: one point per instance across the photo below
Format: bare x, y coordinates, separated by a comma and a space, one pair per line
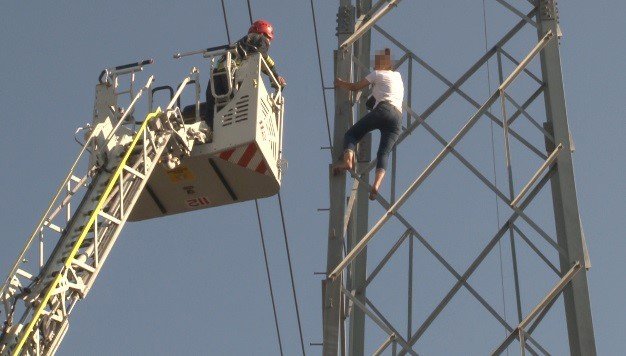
26, 333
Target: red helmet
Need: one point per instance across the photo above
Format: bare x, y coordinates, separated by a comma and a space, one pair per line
262, 27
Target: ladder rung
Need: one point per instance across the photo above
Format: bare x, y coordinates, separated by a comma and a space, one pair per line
45, 312
86, 242
137, 149
110, 217
56, 317
83, 265
53, 227
24, 274
134, 172
91, 229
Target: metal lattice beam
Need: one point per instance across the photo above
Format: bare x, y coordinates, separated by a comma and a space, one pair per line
542, 16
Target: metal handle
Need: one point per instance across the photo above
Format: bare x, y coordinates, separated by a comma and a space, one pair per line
184, 83
135, 64
102, 74
151, 97
124, 69
206, 52
164, 87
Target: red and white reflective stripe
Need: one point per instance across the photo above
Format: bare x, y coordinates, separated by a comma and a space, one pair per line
247, 156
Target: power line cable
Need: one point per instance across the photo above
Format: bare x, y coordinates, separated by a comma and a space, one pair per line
226, 21
286, 238
269, 278
256, 203
293, 284
319, 62
495, 173
249, 11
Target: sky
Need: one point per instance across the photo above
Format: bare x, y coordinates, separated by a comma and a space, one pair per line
195, 283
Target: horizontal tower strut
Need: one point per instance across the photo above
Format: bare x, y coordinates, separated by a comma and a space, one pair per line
367, 25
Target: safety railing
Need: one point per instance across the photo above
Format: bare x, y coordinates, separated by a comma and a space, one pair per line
111, 75
276, 98
228, 50
174, 98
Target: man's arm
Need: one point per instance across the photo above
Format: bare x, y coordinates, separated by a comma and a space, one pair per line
340, 83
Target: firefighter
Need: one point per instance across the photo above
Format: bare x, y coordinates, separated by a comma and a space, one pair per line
258, 39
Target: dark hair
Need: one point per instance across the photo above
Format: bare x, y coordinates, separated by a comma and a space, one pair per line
387, 52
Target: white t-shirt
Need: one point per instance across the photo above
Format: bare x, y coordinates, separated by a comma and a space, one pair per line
387, 86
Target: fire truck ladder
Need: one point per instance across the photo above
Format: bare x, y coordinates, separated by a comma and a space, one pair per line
37, 304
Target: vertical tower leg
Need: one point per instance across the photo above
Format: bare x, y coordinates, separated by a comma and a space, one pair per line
566, 214
332, 298
359, 215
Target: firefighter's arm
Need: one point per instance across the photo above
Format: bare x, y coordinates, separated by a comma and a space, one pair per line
272, 66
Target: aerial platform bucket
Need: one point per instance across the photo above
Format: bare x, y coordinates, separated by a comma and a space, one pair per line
240, 163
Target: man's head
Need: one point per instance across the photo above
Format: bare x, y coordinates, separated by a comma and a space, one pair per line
262, 27
382, 60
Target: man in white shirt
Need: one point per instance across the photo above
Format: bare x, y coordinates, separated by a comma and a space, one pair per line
386, 116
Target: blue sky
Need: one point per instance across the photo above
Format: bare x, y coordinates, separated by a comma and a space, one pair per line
195, 283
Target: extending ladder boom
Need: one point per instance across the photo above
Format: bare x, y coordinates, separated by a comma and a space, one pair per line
121, 163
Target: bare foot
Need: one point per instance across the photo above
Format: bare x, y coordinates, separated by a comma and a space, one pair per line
346, 164
340, 167
378, 179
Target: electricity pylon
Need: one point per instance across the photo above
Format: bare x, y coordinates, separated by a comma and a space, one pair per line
535, 34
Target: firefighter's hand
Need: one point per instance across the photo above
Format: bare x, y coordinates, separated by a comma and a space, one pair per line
282, 81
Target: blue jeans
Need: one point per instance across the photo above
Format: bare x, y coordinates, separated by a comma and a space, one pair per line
385, 118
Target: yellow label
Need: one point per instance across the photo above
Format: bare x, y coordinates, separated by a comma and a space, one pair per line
180, 174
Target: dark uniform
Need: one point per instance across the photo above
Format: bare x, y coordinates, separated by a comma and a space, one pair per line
249, 44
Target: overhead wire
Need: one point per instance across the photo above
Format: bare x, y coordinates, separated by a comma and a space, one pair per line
226, 21
319, 62
495, 173
293, 284
262, 235
323, 89
286, 239
269, 276
249, 11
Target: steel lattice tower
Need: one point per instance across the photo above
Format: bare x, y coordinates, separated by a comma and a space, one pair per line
528, 50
